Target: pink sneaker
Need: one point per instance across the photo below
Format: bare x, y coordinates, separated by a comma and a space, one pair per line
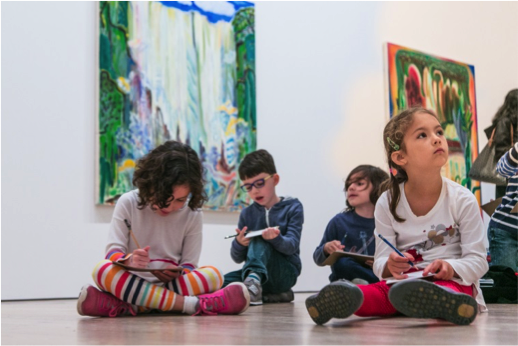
93, 302
231, 300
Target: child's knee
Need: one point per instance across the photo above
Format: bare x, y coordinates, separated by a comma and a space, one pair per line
99, 268
214, 273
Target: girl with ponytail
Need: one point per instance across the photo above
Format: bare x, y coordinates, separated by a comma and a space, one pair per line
434, 223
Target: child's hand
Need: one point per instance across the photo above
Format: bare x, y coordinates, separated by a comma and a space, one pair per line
166, 276
140, 258
241, 236
270, 233
397, 265
442, 269
332, 246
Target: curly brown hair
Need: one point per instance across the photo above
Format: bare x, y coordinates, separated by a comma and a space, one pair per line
168, 165
393, 135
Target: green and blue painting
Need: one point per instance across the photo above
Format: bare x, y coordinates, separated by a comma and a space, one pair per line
176, 71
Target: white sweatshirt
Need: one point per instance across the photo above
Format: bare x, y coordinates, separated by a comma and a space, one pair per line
452, 231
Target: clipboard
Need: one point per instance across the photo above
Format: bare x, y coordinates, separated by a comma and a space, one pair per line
135, 269
339, 254
490, 207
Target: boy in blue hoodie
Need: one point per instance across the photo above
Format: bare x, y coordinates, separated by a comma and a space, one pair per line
272, 261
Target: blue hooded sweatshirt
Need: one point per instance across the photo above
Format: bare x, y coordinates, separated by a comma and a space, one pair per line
287, 214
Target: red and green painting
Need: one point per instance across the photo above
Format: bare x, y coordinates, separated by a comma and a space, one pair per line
448, 88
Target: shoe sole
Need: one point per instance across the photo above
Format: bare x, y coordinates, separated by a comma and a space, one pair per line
245, 293
256, 303
334, 301
82, 297
422, 299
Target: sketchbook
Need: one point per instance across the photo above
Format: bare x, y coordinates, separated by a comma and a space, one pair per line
339, 254
135, 269
411, 276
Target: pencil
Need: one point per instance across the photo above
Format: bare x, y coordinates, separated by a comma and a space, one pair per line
232, 236
131, 232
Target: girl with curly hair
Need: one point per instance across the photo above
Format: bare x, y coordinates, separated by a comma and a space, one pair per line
163, 215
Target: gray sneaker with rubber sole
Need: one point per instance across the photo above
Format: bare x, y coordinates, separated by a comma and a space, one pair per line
423, 299
339, 299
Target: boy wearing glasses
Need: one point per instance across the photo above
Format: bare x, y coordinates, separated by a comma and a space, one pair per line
272, 261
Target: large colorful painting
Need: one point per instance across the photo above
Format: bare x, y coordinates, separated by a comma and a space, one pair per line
176, 70
447, 87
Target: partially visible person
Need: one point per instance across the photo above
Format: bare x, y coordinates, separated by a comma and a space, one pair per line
503, 226
505, 118
352, 230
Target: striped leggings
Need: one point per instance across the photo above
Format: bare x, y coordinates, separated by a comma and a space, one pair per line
135, 290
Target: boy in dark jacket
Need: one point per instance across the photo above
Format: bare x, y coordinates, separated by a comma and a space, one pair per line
272, 261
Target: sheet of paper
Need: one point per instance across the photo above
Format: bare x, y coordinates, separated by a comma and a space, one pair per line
257, 233
254, 233
411, 276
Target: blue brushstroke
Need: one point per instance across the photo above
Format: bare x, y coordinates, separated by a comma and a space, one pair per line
212, 17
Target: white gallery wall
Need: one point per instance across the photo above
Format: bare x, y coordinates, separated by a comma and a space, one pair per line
321, 110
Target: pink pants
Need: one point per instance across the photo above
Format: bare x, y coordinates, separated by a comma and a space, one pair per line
376, 301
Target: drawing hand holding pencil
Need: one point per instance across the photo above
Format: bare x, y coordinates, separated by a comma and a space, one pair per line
400, 266
139, 261
140, 257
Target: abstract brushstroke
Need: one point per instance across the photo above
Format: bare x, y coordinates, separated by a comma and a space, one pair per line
176, 70
447, 87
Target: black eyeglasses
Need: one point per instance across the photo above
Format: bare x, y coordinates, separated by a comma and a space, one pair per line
259, 183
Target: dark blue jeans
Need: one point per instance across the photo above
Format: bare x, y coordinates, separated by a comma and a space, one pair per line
349, 269
279, 275
503, 248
